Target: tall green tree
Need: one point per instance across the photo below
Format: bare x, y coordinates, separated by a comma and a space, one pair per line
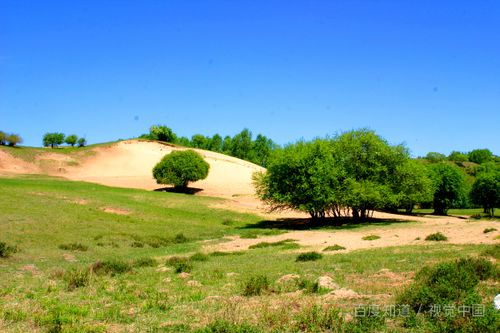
13, 139
448, 187
241, 144
53, 139
3, 136
261, 150
162, 133
216, 143
301, 176
71, 140
486, 192
412, 184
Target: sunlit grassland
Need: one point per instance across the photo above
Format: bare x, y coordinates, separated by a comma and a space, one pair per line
38, 214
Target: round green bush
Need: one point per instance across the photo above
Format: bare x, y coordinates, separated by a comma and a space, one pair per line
181, 167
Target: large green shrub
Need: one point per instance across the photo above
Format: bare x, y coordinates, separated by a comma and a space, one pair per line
181, 167
449, 187
71, 140
486, 192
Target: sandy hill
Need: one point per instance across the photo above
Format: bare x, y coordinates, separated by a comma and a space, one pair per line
129, 164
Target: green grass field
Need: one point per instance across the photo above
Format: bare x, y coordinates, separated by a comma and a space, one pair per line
128, 237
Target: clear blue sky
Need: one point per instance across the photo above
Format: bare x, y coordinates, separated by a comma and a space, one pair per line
426, 73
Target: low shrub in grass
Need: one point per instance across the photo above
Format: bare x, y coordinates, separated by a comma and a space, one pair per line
137, 244
451, 284
492, 251
256, 285
144, 262
74, 247
437, 237
310, 287
224, 326
335, 247
199, 257
487, 230
309, 256
272, 244
318, 319
223, 254
77, 278
370, 237
111, 267
180, 264
7, 250
180, 238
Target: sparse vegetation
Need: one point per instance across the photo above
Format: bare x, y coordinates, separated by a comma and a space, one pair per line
487, 230
335, 247
74, 247
370, 237
285, 243
309, 256
7, 250
256, 285
438, 237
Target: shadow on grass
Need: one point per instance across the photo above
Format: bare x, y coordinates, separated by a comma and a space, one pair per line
186, 190
328, 223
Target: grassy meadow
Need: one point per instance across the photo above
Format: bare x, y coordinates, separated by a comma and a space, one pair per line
90, 258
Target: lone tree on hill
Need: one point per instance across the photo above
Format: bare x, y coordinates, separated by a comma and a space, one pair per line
53, 139
181, 167
71, 140
82, 142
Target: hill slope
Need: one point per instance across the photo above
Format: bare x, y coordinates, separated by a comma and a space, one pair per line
129, 164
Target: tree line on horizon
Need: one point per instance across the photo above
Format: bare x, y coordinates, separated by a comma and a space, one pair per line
241, 145
55, 139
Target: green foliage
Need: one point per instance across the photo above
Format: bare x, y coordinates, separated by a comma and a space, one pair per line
451, 283
492, 251
71, 140
413, 185
268, 244
370, 237
74, 247
486, 192
449, 187
311, 287
438, 237
199, 257
224, 326
335, 247
82, 142
77, 278
144, 262
488, 230
110, 267
435, 157
180, 264
181, 167
256, 285
161, 133
309, 256
7, 250
480, 156
3, 137
456, 156
13, 139
53, 139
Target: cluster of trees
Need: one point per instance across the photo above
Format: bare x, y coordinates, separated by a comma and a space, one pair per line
10, 139
478, 156
242, 145
55, 139
357, 172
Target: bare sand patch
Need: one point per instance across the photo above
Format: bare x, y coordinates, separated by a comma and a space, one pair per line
118, 211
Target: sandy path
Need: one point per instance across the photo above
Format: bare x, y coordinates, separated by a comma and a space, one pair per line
458, 231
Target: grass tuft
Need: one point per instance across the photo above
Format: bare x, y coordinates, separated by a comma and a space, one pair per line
256, 285
180, 264
309, 256
335, 247
199, 257
437, 237
74, 247
370, 237
267, 244
77, 278
144, 262
7, 250
111, 267
487, 230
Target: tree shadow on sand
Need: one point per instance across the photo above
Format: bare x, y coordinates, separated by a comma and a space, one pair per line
183, 190
321, 224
